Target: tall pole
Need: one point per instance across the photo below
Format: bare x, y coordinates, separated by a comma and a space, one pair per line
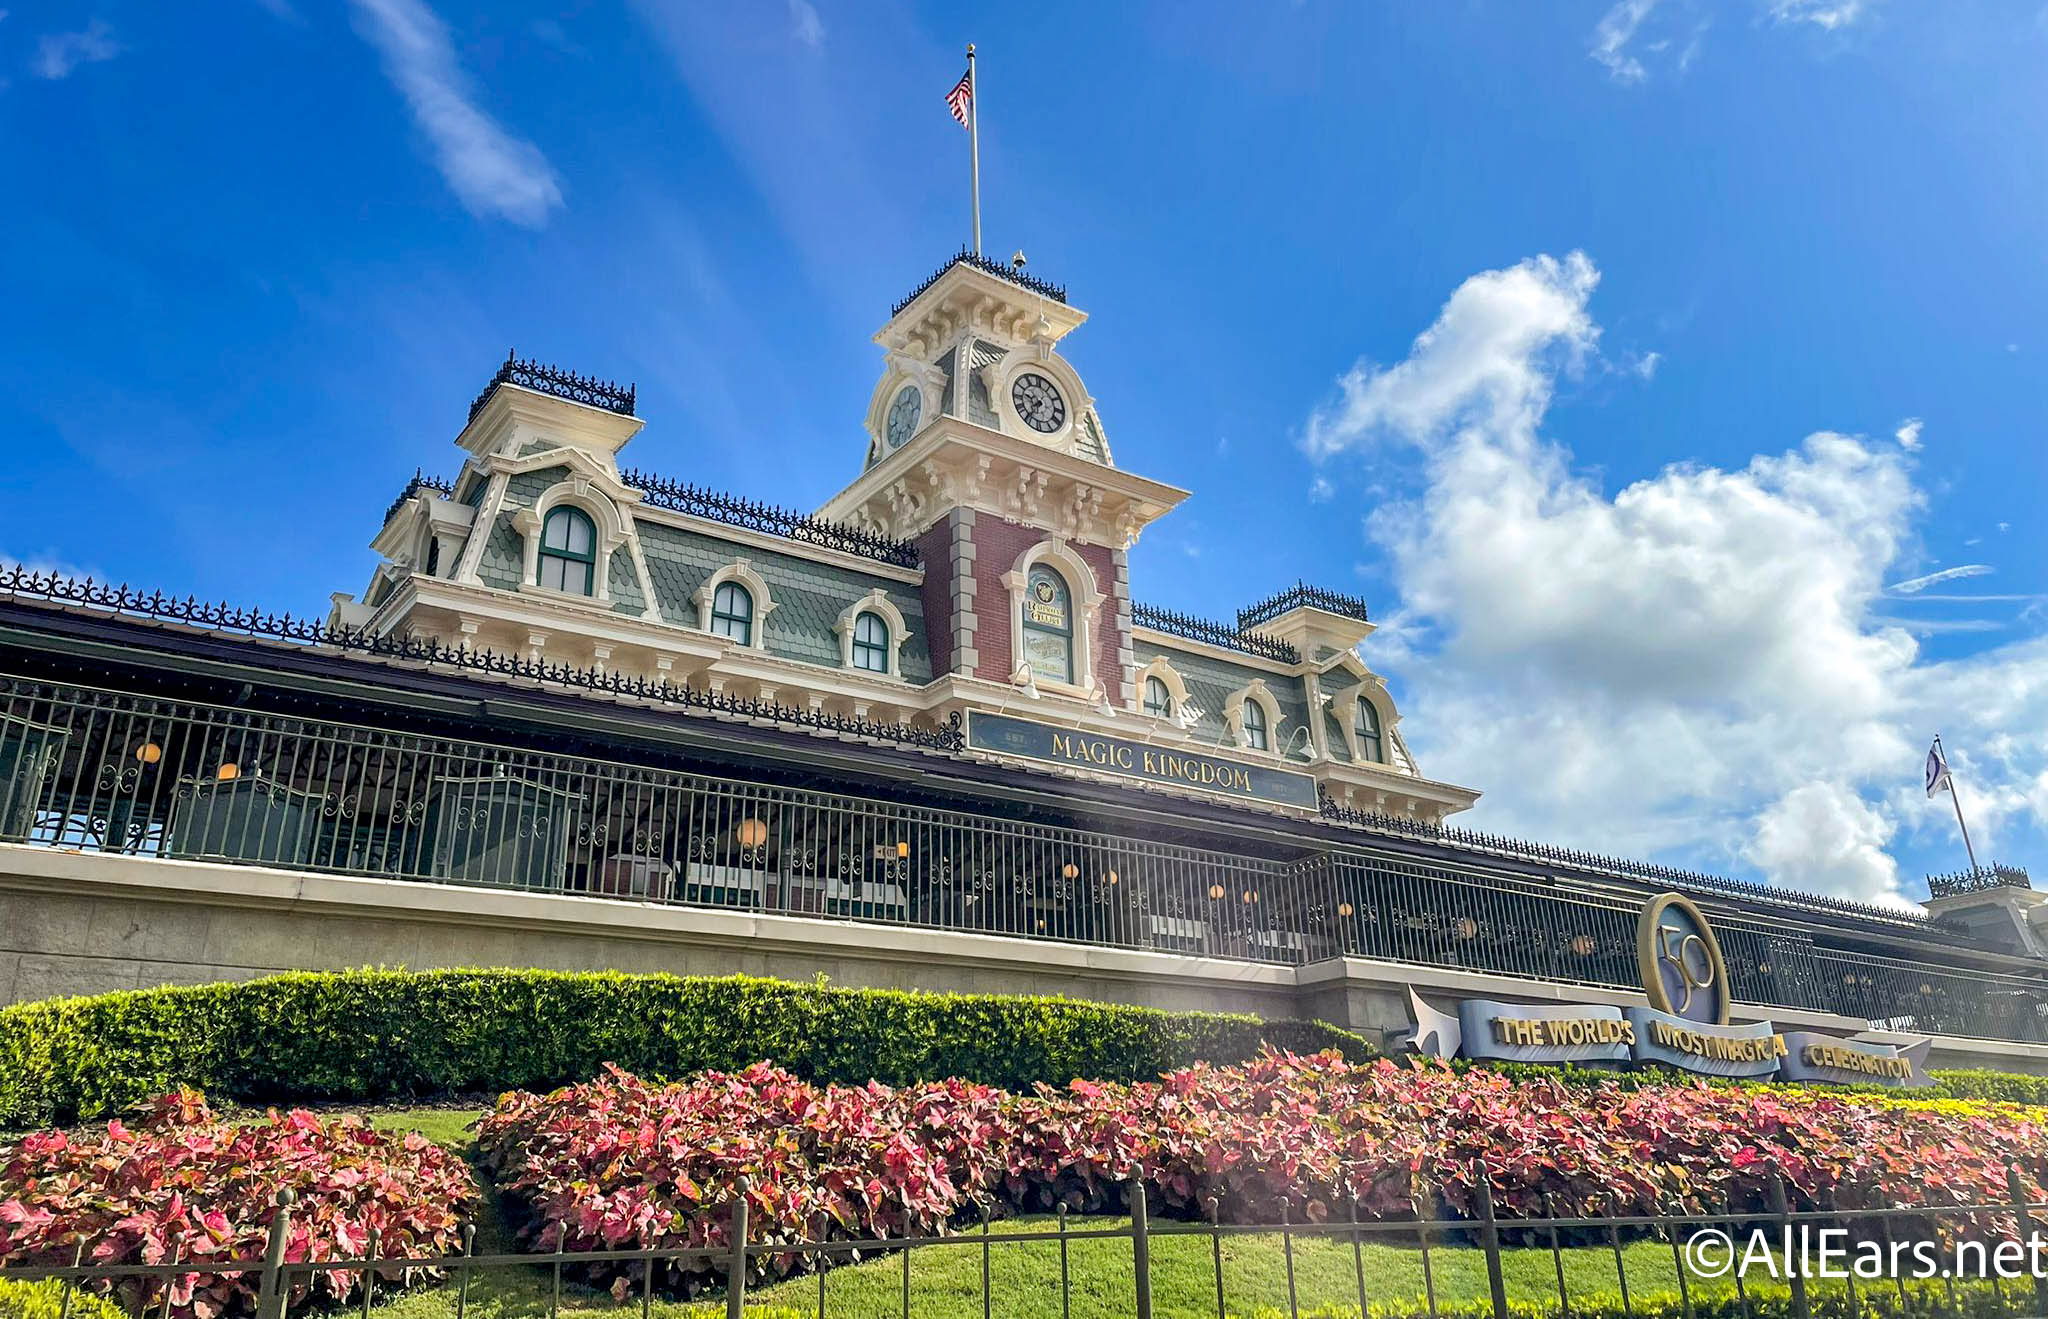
1950, 774
974, 140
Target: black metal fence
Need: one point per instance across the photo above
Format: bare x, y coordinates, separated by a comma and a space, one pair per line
104, 770
2001, 1274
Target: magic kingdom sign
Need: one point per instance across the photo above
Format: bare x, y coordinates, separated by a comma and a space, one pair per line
1685, 1024
1006, 735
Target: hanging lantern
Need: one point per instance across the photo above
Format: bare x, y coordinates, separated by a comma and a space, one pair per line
1111, 879
1250, 896
1216, 892
1465, 928
228, 772
903, 851
1069, 870
751, 832
1583, 945
1344, 909
149, 753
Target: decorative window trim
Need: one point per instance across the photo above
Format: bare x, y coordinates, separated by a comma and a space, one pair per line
739, 570
1080, 578
1374, 694
878, 603
566, 515
1233, 717
578, 493
1176, 687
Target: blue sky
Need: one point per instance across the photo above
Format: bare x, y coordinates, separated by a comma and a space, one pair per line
259, 260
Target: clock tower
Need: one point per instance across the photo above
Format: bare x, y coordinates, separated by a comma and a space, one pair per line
985, 447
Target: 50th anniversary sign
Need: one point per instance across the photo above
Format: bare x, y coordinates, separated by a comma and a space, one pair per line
1685, 1025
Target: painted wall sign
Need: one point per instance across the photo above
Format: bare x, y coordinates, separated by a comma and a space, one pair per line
1680, 961
1686, 1025
1006, 735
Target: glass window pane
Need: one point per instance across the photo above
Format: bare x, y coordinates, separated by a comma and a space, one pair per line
1048, 625
1251, 717
1158, 701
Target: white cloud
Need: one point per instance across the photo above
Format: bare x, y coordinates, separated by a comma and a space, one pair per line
1908, 433
805, 23
1827, 14
59, 54
1645, 367
1695, 665
1320, 491
492, 172
1913, 585
1828, 835
1611, 35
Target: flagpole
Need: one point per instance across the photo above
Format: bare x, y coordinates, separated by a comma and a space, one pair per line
974, 139
1950, 774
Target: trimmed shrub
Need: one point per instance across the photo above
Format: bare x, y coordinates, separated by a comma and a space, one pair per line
182, 1186
369, 1035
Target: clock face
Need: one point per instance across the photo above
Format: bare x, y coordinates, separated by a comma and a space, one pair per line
1037, 400
903, 415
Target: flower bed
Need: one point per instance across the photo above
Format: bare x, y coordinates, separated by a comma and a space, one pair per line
622, 1163
184, 1186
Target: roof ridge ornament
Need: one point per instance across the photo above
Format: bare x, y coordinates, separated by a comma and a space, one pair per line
558, 383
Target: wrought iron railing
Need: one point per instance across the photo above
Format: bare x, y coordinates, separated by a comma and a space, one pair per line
1295, 597
98, 769
1215, 634
1595, 863
680, 497
553, 380
22, 583
1551, 1257
420, 481
1009, 274
1982, 879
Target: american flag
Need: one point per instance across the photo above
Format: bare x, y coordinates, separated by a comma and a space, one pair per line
961, 99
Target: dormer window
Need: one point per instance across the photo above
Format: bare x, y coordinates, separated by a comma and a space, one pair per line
1370, 745
1158, 700
568, 552
732, 613
1251, 718
871, 643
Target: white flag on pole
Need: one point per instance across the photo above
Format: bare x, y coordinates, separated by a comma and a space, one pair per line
1937, 770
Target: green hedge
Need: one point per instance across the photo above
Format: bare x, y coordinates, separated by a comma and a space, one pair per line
46, 1300
372, 1035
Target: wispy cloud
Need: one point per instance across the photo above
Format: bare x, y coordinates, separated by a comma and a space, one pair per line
1908, 433
1915, 585
493, 172
59, 54
1611, 35
805, 23
1320, 491
1828, 14
1645, 367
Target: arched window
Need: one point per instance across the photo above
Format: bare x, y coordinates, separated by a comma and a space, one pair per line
871, 643
1158, 700
1048, 619
568, 551
1251, 717
1370, 746
732, 613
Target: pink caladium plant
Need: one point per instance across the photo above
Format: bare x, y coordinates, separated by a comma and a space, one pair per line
184, 1187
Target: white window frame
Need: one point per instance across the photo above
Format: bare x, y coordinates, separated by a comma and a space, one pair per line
1085, 599
1233, 713
1176, 687
742, 572
878, 603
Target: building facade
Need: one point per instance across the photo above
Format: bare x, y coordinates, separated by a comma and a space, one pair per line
587, 716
